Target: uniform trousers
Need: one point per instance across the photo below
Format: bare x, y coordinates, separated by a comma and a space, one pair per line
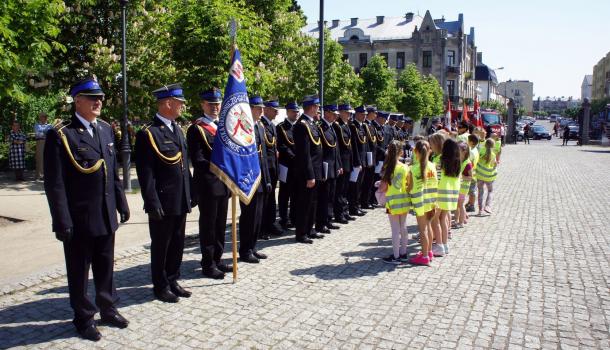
341, 204
306, 207
325, 201
82, 252
367, 186
250, 220
286, 200
166, 249
212, 226
270, 207
355, 189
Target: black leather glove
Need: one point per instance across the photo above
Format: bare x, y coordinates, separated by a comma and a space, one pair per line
269, 187
64, 235
193, 203
124, 217
156, 214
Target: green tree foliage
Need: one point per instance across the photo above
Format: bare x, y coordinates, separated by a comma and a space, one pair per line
599, 105
413, 103
28, 31
379, 85
495, 105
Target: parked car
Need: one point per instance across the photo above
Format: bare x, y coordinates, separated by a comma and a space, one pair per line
554, 117
540, 132
519, 131
574, 131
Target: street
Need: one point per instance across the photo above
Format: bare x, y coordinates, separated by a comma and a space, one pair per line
534, 274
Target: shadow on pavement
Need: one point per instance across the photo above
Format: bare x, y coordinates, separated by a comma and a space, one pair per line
24, 335
595, 151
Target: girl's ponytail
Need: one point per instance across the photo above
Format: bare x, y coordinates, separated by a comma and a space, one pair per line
390, 161
423, 149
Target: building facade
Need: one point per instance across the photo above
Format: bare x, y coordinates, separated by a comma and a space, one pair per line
435, 46
586, 87
555, 105
601, 79
521, 91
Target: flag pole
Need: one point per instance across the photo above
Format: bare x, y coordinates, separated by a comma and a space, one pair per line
234, 233
233, 34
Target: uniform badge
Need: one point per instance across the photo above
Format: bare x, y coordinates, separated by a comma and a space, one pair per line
162, 127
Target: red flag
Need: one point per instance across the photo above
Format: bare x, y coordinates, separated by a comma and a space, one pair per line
477, 112
465, 113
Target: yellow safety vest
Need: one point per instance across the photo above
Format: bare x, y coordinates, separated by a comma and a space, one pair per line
423, 191
398, 200
448, 191
486, 171
465, 184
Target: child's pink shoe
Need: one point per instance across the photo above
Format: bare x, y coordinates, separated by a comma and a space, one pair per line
420, 259
430, 255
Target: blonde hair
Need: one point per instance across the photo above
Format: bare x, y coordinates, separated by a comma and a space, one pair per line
436, 141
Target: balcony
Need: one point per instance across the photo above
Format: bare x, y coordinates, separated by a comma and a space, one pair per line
453, 70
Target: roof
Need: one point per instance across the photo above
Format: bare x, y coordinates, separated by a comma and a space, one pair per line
588, 79
483, 72
369, 29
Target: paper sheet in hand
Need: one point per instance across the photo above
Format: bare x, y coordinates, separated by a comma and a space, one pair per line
325, 166
353, 176
369, 158
283, 173
378, 167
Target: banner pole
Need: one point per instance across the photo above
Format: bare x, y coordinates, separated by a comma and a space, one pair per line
234, 234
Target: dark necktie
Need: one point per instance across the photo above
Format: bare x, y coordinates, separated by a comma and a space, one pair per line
96, 136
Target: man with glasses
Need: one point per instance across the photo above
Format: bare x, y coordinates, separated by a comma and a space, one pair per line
84, 192
163, 171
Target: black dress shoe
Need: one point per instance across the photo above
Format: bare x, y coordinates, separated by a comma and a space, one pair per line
116, 320
167, 296
179, 291
259, 255
366, 207
322, 230
304, 240
265, 236
225, 267
290, 225
316, 236
356, 213
274, 231
361, 213
349, 218
213, 273
90, 333
332, 227
250, 259
341, 221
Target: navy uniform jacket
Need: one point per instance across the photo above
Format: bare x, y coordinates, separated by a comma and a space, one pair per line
344, 135
330, 148
200, 142
359, 143
390, 134
285, 144
371, 138
380, 145
271, 142
308, 147
163, 185
259, 131
87, 203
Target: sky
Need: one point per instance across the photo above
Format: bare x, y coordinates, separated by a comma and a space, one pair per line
552, 43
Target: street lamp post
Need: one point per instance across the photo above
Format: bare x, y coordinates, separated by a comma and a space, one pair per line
125, 144
321, 54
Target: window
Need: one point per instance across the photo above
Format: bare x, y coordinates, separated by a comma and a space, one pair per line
400, 60
385, 57
451, 87
451, 58
345, 57
427, 61
363, 58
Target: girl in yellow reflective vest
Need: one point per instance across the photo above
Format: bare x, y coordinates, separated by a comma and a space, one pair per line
448, 192
436, 141
486, 175
465, 179
398, 203
422, 187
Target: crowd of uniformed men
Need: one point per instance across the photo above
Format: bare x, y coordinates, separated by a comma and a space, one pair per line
326, 165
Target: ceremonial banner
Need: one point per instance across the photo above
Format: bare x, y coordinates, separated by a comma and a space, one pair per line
235, 157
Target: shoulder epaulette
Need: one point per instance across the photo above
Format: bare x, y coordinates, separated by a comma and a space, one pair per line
105, 122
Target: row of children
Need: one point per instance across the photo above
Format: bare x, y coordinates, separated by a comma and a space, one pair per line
445, 175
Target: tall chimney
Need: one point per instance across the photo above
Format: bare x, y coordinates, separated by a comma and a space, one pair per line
335, 23
479, 58
379, 19
354, 21
409, 16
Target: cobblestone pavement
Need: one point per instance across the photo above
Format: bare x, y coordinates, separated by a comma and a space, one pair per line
535, 274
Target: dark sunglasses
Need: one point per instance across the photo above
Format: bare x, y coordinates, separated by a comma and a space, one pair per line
94, 97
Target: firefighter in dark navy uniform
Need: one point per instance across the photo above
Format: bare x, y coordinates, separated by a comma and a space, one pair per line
270, 139
84, 192
285, 146
344, 136
162, 165
360, 147
308, 169
251, 216
212, 192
